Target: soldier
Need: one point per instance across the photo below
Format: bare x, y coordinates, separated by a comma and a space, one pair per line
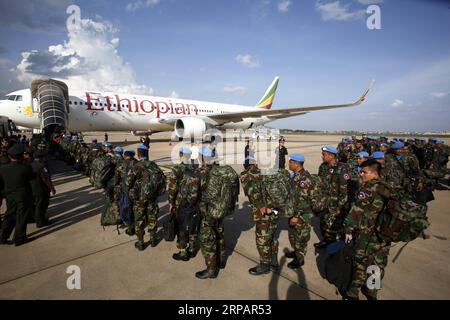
335, 177
360, 225
15, 180
144, 182
184, 196
118, 155
264, 218
121, 192
300, 224
41, 187
414, 179
212, 209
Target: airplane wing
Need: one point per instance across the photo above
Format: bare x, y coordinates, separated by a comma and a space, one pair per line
285, 112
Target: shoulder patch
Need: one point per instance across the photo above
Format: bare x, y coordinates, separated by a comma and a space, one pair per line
346, 176
331, 170
362, 195
303, 184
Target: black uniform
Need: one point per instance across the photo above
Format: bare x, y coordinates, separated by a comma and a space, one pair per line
41, 192
15, 180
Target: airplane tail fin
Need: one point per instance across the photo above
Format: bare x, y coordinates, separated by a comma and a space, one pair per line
268, 97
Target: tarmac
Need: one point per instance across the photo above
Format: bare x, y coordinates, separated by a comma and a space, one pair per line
111, 268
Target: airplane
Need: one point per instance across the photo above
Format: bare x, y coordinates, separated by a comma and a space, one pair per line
48, 103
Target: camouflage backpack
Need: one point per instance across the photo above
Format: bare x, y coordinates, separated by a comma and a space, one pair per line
189, 186
153, 182
402, 220
317, 197
222, 192
279, 192
102, 170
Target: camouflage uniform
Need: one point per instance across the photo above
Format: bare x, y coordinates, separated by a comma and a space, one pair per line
265, 224
368, 248
299, 234
335, 179
212, 240
185, 204
145, 210
413, 173
120, 186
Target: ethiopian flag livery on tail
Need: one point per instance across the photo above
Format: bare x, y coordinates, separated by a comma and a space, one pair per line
267, 99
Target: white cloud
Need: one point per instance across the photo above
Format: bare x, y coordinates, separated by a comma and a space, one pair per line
336, 11
247, 61
397, 103
237, 90
439, 94
283, 5
135, 5
367, 2
174, 95
88, 59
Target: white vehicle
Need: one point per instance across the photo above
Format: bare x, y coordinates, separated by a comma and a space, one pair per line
50, 102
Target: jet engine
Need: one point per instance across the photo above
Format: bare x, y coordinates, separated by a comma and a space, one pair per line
190, 127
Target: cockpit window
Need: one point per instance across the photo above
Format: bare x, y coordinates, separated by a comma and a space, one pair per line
12, 98
18, 98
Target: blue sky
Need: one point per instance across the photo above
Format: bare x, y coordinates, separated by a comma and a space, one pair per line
229, 51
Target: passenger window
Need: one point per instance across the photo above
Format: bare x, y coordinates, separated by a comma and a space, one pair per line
75, 103
18, 98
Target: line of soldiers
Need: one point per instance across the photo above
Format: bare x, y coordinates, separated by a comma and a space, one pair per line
347, 194
26, 185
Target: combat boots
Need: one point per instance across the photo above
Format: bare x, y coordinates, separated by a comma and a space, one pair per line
153, 240
259, 269
140, 244
183, 255
290, 254
320, 245
296, 263
370, 295
208, 273
130, 231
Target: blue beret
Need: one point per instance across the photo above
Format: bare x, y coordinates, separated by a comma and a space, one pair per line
362, 154
432, 139
142, 147
330, 149
118, 149
206, 152
297, 157
395, 139
397, 145
130, 151
185, 150
107, 144
378, 155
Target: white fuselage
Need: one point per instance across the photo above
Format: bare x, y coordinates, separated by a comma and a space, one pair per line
108, 111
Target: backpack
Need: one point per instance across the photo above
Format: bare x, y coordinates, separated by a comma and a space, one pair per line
110, 215
153, 183
169, 228
402, 220
102, 172
339, 265
222, 192
126, 214
279, 192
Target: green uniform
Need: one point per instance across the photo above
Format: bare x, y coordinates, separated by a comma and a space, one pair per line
265, 224
362, 222
335, 179
299, 234
41, 191
212, 240
184, 196
145, 209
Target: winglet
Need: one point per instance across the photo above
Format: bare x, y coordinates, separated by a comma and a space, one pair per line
268, 97
363, 97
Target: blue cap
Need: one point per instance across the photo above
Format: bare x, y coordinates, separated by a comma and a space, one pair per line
362, 154
107, 144
297, 157
118, 149
142, 147
206, 152
410, 139
185, 150
439, 141
401, 140
397, 145
130, 151
432, 139
395, 139
383, 144
378, 155
330, 149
